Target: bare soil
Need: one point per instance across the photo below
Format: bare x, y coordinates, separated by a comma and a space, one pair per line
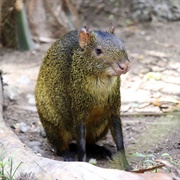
151, 88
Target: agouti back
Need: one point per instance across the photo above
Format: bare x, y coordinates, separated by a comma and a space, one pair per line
78, 90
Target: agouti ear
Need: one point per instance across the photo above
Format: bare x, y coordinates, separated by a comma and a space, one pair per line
84, 37
112, 29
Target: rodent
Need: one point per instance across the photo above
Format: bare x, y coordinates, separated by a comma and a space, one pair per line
78, 90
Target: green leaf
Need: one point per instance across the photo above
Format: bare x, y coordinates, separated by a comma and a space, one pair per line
148, 161
165, 154
139, 155
151, 155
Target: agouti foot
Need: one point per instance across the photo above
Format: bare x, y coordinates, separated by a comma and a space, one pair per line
122, 164
67, 155
99, 151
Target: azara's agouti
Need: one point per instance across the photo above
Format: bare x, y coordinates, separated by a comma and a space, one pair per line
78, 91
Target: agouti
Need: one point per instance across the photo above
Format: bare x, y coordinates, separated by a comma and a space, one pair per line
78, 91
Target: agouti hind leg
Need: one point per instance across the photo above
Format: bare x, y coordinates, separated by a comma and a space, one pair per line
60, 139
92, 137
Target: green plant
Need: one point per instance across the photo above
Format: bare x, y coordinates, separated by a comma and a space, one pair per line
146, 162
2, 164
11, 172
171, 160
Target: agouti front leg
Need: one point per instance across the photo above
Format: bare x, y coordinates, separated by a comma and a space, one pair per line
116, 130
81, 142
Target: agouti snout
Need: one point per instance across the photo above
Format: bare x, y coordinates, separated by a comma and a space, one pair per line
78, 91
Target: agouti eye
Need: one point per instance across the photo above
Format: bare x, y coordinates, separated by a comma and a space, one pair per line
98, 51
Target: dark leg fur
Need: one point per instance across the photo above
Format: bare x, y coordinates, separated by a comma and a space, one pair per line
67, 155
80, 129
98, 151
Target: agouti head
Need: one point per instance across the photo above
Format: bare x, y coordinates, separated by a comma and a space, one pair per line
105, 48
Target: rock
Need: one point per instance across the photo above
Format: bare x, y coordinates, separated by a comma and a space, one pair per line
42, 132
157, 10
23, 127
36, 149
38, 154
24, 80
31, 99
11, 92
93, 161
32, 144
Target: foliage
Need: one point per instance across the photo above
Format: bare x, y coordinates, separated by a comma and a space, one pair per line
14, 32
170, 159
149, 160
24, 38
7, 170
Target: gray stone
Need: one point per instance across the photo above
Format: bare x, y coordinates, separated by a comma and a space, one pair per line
24, 80
12, 92
31, 99
42, 132
36, 149
33, 144
23, 127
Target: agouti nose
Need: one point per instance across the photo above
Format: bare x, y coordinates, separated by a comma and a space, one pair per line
124, 66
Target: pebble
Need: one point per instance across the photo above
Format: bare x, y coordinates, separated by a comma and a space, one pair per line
35, 146
42, 132
32, 144
148, 38
36, 149
132, 139
39, 154
23, 127
143, 33
93, 161
24, 80
11, 92
31, 99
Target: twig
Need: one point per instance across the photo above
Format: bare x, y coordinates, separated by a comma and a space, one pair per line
149, 114
149, 169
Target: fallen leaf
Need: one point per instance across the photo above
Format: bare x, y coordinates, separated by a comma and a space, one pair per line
156, 102
152, 75
140, 57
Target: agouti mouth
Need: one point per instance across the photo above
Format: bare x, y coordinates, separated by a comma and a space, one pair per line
116, 68
122, 68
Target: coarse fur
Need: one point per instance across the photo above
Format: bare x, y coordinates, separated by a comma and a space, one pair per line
77, 93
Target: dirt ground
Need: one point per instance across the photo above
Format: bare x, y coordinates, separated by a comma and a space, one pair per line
149, 89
